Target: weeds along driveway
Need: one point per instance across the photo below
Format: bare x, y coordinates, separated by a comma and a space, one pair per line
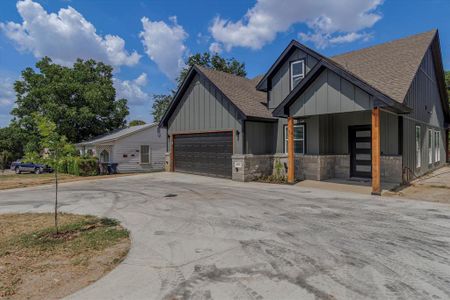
199, 237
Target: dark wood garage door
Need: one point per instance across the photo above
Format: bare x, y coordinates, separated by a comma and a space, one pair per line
204, 153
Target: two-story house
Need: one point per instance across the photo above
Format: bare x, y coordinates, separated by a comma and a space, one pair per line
379, 113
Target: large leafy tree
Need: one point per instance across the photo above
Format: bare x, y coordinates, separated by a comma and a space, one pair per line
11, 141
215, 62
136, 123
160, 105
207, 60
80, 100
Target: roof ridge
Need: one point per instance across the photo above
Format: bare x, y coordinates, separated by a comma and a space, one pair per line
385, 43
136, 128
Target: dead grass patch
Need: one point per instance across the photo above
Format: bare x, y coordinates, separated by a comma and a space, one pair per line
12, 181
37, 263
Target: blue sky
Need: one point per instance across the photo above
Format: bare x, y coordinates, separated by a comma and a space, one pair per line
147, 41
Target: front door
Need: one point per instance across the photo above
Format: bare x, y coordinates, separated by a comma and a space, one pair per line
360, 143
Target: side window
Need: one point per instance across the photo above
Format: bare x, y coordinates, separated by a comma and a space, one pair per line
430, 146
104, 156
297, 69
145, 154
418, 148
299, 139
437, 146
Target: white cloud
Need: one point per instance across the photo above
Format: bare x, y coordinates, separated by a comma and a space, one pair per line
322, 40
330, 22
132, 89
7, 95
64, 37
215, 48
164, 44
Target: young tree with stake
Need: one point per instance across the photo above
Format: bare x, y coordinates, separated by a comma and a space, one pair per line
55, 146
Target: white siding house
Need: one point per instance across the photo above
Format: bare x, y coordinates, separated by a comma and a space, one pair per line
135, 149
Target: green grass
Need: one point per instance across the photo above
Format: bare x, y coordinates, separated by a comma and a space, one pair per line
90, 233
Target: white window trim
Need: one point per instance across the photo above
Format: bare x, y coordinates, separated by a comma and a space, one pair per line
140, 155
292, 76
437, 146
418, 148
430, 146
286, 137
101, 158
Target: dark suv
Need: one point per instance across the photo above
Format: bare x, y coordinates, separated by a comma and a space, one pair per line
20, 166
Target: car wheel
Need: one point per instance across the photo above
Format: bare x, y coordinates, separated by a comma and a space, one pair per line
37, 171
17, 170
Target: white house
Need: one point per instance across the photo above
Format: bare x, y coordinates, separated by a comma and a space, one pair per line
134, 149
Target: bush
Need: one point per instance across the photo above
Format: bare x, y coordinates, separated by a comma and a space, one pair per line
272, 179
79, 166
62, 166
87, 166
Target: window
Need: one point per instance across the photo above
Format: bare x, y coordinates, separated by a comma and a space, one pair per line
104, 156
299, 139
145, 154
297, 72
437, 146
418, 150
430, 146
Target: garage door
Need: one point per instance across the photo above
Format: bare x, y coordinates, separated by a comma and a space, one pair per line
204, 153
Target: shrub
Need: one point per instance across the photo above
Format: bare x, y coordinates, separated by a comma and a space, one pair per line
272, 179
63, 164
79, 166
87, 166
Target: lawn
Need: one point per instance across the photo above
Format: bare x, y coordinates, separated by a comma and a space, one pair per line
11, 180
37, 263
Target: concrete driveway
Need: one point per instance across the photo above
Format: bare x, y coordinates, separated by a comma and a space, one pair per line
202, 238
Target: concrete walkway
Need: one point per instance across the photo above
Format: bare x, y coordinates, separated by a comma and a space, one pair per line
201, 238
342, 185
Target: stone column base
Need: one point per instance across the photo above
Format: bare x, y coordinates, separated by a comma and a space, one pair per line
248, 167
167, 162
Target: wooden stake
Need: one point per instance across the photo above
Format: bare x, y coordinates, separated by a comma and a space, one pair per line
376, 177
291, 164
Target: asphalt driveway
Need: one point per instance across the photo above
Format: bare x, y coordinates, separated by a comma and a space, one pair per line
202, 238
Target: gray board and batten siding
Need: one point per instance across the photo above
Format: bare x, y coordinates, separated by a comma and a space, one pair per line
329, 94
280, 83
204, 108
424, 97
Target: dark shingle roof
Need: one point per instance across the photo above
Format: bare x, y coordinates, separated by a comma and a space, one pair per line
389, 67
241, 91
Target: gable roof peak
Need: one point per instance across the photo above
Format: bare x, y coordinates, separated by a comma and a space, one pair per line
389, 67
430, 33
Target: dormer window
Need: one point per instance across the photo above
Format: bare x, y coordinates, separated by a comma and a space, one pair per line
297, 72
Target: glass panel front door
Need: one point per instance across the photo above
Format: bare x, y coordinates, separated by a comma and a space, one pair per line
360, 138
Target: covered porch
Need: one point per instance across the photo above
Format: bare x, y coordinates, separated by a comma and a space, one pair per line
352, 147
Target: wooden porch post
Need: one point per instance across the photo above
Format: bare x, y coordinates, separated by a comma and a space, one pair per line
376, 177
291, 164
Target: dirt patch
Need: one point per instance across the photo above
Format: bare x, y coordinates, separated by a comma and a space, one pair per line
12, 181
434, 187
37, 263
